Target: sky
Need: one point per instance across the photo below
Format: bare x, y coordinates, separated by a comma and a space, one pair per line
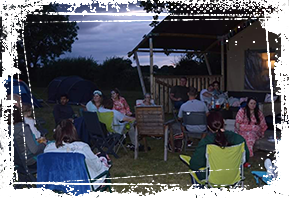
103, 36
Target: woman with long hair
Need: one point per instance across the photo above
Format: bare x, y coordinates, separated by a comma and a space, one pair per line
219, 136
96, 101
250, 123
66, 140
119, 103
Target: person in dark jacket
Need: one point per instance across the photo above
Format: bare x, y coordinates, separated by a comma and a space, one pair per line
63, 111
220, 137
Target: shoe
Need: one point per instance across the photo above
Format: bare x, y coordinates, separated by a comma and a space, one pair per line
190, 143
247, 165
129, 145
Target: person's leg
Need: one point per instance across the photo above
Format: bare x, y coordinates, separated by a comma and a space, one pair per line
178, 104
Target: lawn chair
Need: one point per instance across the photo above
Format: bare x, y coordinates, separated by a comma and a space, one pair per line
98, 137
67, 168
107, 119
224, 166
193, 118
150, 122
25, 173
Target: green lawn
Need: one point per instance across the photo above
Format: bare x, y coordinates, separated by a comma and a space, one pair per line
150, 167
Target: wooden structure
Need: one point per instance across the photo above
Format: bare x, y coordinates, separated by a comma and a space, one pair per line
150, 121
163, 84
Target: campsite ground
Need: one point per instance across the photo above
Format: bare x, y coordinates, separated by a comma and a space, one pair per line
149, 168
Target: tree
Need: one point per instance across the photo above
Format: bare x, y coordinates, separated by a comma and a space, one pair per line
46, 37
157, 7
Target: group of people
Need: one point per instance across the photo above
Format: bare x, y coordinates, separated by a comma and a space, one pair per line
250, 123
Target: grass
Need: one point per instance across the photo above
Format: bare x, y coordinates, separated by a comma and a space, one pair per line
149, 168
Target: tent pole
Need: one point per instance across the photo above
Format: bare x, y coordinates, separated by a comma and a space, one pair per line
208, 65
222, 64
140, 73
151, 66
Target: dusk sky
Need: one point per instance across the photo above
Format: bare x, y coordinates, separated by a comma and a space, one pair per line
114, 35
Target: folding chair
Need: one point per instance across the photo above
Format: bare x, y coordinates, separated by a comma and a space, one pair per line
150, 122
261, 177
66, 168
193, 118
224, 166
25, 173
107, 119
99, 139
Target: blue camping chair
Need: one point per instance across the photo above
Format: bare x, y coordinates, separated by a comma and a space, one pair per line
261, 177
64, 167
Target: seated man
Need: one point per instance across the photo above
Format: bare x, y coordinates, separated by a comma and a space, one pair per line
194, 105
207, 94
63, 111
179, 94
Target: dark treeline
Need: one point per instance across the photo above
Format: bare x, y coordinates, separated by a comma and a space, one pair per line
114, 72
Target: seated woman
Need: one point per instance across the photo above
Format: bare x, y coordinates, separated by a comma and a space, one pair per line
147, 101
66, 140
219, 137
119, 103
28, 119
32, 147
95, 103
250, 123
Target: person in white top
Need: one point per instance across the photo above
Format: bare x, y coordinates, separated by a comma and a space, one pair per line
206, 94
66, 140
96, 101
28, 119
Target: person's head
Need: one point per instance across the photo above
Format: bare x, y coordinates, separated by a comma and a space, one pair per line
147, 97
97, 97
215, 123
210, 87
107, 103
16, 115
115, 93
27, 110
193, 93
216, 85
16, 98
65, 132
183, 81
64, 99
252, 106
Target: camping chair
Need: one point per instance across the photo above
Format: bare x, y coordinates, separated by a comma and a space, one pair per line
150, 122
224, 166
193, 118
97, 135
25, 173
66, 168
107, 119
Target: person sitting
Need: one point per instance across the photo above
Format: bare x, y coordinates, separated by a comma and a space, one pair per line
28, 119
193, 105
207, 94
96, 101
66, 140
218, 137
119, 103
250, 123
179, 93
30, 147
147, 101
63, 110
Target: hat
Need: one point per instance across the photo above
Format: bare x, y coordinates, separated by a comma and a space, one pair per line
97, 92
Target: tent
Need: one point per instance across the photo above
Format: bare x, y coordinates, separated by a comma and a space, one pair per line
78, 89
21, 88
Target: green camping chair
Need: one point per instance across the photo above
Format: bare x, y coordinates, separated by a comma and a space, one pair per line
107, 119
224, 166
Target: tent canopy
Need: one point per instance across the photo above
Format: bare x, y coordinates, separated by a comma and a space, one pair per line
198, 28
78, 89
21, 88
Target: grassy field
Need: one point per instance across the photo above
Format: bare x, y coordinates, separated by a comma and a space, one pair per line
150, 167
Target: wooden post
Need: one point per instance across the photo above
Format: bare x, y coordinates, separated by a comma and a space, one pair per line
151, 66
208, 65
222, 65
140, 73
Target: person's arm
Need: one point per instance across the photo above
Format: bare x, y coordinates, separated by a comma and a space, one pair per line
239, 119
207, 94
263, 124
34, 130
35, 149
128, 119
126, 107
92, 160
